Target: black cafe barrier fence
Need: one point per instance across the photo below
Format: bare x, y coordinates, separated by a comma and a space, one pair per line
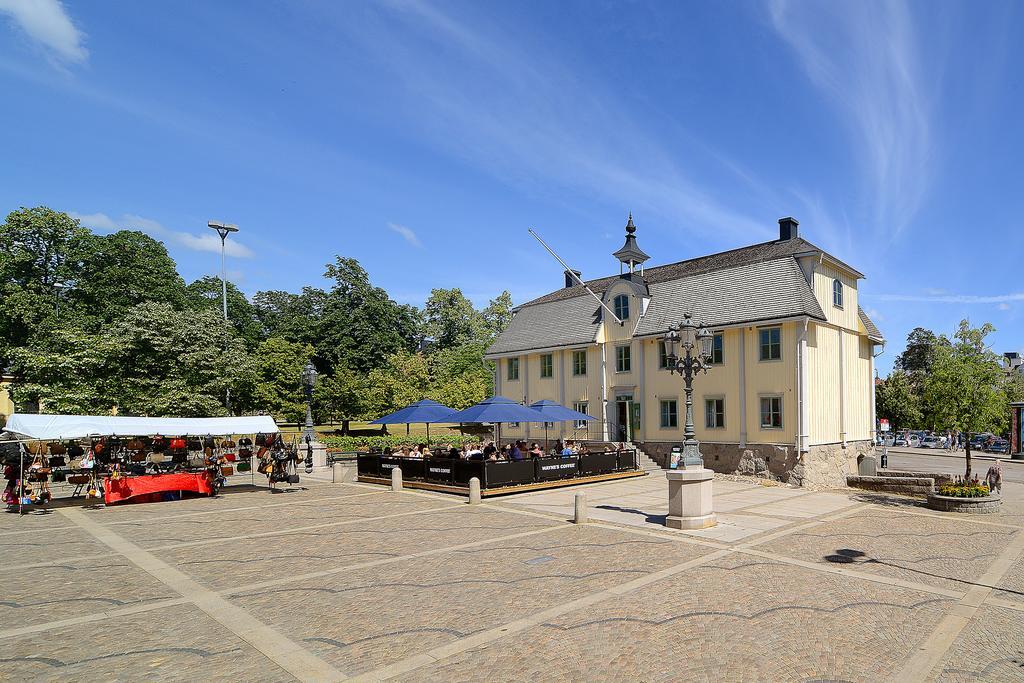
497, 473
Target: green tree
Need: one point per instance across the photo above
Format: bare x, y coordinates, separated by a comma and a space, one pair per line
896, 401
123, 269
206, 294
75, 372
498, 314
361, 326
176, 363
295, 317
35, 260
965, 388
277, 379
449, 319
341, 396
403, 379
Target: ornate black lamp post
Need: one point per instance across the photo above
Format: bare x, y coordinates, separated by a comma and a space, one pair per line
308, 382
696, 343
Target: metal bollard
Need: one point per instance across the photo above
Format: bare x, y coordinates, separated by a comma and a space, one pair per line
474, 491
396, 479
581, 509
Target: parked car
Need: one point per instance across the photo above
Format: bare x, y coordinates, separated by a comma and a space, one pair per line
978, 440
913, 441
901, 440
931, 442
1000, 446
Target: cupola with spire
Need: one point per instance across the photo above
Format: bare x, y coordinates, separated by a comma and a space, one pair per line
630, 255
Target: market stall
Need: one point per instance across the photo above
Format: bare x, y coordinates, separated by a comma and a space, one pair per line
137, 458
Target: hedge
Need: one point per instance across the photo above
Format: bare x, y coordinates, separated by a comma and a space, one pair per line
355, 443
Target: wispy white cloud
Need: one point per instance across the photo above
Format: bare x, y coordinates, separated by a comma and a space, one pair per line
406, 233
1003, 306
48, 23
867, 58
196, 242
951, 298
532, 120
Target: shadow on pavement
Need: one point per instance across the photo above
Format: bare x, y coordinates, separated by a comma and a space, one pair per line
851, 556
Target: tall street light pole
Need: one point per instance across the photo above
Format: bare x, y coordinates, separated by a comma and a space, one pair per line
696, 343
309, 375
224, 229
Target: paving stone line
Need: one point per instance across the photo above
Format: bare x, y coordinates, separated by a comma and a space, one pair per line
289, 655
953, 516
491, 635
1008, 604
91, 617
225, 539
506, 629
244, 588
929, 655
234, 590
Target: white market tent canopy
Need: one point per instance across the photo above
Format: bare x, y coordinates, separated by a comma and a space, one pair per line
45, 427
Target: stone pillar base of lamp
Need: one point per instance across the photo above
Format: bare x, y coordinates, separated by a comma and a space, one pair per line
689, 499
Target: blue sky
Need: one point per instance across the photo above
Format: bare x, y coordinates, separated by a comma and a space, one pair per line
425, 138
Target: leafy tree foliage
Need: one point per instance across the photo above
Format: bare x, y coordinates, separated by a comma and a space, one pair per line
896, 400
207, 293
99, 323
119, 271
966, 388
276, 386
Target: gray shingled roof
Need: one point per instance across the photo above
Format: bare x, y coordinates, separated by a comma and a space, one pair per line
873, 332
557, 323
755, 253
744, 294
748, 293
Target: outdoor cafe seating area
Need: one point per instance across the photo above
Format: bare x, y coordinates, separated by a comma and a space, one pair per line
442, 471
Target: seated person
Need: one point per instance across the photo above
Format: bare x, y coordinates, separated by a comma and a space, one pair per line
504, 453
568, 450
473, 449
488, 453
516, 452
455, 453
583, 450
535, 451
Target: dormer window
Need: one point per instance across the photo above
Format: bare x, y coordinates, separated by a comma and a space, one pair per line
621, 306
837, 293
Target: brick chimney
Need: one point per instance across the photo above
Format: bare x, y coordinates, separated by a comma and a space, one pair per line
789, 228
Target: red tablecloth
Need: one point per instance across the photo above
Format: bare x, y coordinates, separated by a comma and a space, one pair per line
117, 490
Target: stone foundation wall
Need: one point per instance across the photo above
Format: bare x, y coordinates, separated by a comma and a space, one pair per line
821, 467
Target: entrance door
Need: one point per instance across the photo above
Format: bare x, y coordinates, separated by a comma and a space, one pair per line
627, 417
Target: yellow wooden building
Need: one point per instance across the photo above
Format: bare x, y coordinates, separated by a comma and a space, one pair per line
791, 388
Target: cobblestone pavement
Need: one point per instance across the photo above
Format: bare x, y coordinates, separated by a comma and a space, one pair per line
350, 581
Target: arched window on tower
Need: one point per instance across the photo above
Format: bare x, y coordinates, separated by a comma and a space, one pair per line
837, 293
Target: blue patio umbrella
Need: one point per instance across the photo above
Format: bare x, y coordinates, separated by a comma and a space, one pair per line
555, 412
425, 412
498, 410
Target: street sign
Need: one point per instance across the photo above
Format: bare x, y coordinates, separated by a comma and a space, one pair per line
883, 425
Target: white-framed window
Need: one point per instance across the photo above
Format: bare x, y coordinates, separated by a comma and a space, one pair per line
513, 425
770, 343
669, 413
714, 413
771, 412
579, 363
546, 365
837, 293
580, 407
623, 359
662, 355
512, 369
718, 349
620, 305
